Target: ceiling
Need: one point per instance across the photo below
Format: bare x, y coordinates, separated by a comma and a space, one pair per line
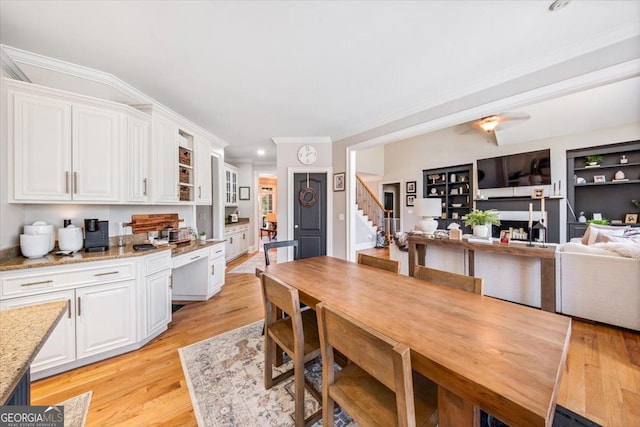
249, 71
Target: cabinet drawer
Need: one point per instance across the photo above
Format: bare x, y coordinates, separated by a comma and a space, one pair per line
185, 259
41, 280
216, 251
157, 262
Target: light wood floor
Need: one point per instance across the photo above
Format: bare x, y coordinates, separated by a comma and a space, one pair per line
147, 387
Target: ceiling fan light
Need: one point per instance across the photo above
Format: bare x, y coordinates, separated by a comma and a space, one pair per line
489, 123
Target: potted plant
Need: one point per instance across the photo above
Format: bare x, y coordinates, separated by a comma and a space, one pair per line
593, 160
603, 221
203, 236
481, 221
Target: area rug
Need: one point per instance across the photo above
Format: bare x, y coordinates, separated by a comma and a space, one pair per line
76, 409
250, 265
225, 377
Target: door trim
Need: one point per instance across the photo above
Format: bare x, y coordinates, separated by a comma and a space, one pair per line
290, 200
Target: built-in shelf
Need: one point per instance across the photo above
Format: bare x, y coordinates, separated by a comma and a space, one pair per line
613, 166
458, 178
590, 184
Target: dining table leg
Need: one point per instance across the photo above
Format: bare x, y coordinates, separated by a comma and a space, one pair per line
455, 411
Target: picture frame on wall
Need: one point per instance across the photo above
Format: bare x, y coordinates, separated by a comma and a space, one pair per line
244, 193
411, 187
338, 181
410, 199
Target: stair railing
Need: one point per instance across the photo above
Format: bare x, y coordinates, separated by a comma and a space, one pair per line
372, 207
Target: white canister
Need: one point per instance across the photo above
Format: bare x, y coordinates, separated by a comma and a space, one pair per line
34, 245
452, 177
41, 227
70, 238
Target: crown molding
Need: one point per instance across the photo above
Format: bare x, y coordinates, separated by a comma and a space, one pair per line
18, 56
302, 140
9, 67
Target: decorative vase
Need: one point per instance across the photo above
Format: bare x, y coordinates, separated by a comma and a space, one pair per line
624, 159
593, 163
481, 231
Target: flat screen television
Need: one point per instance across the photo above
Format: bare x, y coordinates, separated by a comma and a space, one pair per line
515, 170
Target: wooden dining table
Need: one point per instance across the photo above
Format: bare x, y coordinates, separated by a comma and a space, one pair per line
483, 353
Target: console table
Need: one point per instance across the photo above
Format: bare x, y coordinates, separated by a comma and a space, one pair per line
418, 250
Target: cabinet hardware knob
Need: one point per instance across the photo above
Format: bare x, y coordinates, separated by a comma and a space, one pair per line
66, 182
69, 308
79, 306
37, 283
75, 182
195, 257
213, 270
106, 274
144, 181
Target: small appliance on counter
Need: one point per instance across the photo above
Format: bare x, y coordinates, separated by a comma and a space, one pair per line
69, 239
233, 217
96, 235
41, 227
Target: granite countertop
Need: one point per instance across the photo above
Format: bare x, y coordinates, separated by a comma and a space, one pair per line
23, 332
114, 252
240, 221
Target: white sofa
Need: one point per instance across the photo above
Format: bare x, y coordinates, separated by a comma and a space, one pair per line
598, 284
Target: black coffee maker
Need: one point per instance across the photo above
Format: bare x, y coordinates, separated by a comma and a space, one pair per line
96, 235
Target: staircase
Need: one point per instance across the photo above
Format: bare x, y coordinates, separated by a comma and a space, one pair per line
371, 207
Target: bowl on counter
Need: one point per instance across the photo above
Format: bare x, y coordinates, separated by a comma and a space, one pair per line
456, 205
34, 245
41, 227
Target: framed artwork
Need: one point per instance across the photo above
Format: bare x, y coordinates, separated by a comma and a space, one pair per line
505, 237
538, 193
338, 181
410, 199
599, 178
597, 215
244, 193
411, 187
631, 218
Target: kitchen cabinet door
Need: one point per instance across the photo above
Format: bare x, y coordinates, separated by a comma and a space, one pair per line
41, 134
165, 153
203, 194
96, 160
105, 317
136, 155
231, 185
216, 280
60, 347
158, 294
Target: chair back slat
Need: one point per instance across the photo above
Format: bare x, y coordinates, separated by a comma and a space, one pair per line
280, 244
280, 294
365, 347
446, 278
382, 263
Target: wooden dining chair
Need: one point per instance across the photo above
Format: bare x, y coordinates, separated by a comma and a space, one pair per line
378, 387
284, 243
446, 278
382, 263
296, 334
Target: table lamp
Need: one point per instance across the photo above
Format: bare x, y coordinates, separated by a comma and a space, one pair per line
428, 210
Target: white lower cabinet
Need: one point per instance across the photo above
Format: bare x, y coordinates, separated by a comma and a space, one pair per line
60, 347
105, 318
112, 307
217, 265
237, 241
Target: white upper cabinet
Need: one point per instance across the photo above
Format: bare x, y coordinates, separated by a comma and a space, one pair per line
203, 195
137, 159
96, 154
64, 151
42, 148
231, 185
165, 154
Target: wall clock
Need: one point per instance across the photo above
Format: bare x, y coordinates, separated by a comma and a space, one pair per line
307, 154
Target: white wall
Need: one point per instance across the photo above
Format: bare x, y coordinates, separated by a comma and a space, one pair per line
405, 160
371, 161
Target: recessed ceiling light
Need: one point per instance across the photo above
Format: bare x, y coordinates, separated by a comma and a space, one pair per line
558, 4
261, 152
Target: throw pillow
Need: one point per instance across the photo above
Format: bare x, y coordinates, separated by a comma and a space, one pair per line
591, 234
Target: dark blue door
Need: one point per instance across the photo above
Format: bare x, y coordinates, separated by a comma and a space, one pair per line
310, 213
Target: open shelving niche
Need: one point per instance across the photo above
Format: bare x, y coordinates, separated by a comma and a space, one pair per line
456, 194
611, 198
185, 167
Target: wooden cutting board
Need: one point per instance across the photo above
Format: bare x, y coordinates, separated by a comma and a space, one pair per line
153, 222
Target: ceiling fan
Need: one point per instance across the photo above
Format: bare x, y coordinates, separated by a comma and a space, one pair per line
489, 124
